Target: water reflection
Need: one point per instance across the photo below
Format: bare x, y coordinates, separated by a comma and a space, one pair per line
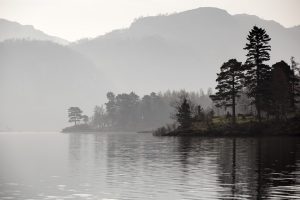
259, 168
132, 166
277, 164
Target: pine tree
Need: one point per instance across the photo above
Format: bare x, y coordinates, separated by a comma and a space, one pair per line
256, 71
229, 85
184, 115
75, 114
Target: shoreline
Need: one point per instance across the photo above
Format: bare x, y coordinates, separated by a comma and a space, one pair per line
290, 127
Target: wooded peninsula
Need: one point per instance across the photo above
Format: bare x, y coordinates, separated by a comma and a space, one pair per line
250, 99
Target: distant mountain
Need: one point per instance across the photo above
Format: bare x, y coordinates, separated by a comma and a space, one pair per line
39, 80
182, 50
14, 30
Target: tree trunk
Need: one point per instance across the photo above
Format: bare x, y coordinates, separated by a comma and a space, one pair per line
258, 109
233, 101
233, 110
258, 90
293, 90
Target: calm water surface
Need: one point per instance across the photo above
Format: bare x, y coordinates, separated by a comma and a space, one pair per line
140, 166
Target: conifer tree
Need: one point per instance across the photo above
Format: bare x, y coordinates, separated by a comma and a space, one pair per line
229, 85
184, 115
256, 71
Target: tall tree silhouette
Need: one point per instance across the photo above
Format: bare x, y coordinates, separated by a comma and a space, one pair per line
111, 108
184, 114
256, 72
281, 89
229, 84
295, 81
75, 114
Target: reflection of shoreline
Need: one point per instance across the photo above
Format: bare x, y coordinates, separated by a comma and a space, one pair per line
233, 173
81, 151
252, 169
278, 164
236, 167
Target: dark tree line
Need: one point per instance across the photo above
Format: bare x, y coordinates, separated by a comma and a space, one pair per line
270, 91
187, 114
131, 112
187, 111
184, 115
273, 90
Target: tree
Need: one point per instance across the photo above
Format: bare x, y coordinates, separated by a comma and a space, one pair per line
75, 114
199, 113
184, 115
229, 85
281, 89
295, 81
218, 101
256, 72
99, 117
111, 108
152, 111
85, 119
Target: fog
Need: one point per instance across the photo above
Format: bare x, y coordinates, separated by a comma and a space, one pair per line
40, 79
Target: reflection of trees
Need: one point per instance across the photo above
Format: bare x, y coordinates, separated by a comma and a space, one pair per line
81, 147
74, 151
193, 150
123, 159
246, 167
74, 146
235, 166
100, 145
276, 165
184, 148
257, 167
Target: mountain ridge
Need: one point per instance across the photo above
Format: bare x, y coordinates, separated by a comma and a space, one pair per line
199, 40
216, 10
10, 30
157, 53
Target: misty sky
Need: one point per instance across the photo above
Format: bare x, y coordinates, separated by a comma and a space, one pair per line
75, 19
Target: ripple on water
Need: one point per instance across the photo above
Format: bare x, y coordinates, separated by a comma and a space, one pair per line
127, 166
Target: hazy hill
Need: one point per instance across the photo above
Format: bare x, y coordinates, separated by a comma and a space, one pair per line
40, 80
14, 30
182, 50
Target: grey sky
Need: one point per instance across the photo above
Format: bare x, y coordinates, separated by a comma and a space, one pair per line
75, 19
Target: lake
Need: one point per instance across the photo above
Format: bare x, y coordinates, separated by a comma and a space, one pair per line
140, 166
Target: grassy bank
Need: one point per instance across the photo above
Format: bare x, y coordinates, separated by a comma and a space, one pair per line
243, 128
